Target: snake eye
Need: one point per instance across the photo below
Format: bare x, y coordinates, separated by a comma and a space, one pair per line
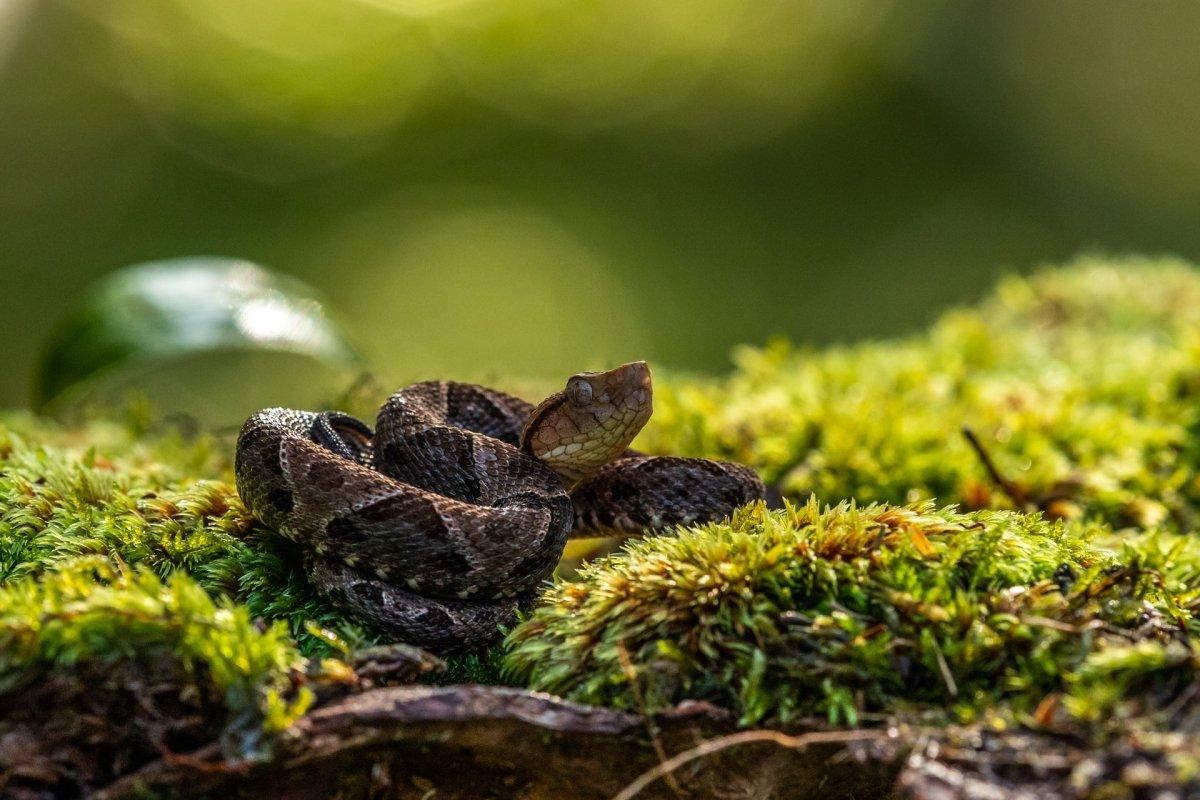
579, 391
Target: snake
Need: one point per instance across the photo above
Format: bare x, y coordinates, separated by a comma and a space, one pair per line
438, 526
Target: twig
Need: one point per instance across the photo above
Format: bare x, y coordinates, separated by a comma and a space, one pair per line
1053, 624
651, 729
735, 739
200, 763
1014, 492
947, 675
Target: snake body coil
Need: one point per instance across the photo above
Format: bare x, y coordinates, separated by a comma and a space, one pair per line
441, 523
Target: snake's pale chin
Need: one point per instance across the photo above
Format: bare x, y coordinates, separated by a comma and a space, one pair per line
576, 433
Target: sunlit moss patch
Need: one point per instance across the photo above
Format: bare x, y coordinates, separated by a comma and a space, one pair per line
845, 611
1082, 384
159, 499
86, 614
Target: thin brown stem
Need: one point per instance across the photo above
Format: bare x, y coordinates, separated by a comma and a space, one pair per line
711, 746
1014, 492
651, 729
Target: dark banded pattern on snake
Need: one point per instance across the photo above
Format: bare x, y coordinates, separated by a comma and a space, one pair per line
438, 525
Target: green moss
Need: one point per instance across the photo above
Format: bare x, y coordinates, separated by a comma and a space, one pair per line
87, 613
1083, 384
158, 499
844, 611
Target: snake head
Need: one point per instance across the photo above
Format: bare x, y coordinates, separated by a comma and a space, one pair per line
591, 421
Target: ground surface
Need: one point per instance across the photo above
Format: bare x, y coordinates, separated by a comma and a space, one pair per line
1031, 631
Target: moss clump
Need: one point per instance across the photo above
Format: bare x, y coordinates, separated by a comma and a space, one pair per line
56, 506
158, 499
845, 611
87, 614
1083, 383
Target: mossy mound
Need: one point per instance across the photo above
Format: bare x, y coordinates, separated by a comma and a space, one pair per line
89, 613
104, 670
160, 499
845, 612
1059, 591
1082, 383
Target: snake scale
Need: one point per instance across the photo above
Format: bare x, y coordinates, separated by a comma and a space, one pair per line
442, 522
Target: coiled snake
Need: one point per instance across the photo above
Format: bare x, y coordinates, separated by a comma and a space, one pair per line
443, 521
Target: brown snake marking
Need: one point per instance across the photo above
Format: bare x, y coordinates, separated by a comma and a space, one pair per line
443, 521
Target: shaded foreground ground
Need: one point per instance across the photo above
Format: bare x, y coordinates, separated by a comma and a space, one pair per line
472, 742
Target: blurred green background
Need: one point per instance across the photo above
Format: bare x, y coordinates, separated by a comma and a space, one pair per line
531, 187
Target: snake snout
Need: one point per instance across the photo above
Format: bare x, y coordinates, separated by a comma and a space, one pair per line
591, 423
